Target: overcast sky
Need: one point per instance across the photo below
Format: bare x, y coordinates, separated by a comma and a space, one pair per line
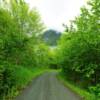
56, 12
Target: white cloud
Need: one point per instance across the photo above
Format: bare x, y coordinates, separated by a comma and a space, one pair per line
56, 12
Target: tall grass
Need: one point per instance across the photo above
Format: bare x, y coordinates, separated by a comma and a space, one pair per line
22, 77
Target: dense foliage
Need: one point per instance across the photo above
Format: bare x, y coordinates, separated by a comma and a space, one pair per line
79, 47
24, 47
20, 48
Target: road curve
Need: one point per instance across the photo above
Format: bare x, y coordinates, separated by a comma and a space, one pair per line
47, 87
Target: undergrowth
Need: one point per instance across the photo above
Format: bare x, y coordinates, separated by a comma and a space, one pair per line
84, 94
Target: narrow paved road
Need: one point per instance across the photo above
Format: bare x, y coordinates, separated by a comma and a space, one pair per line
47, 87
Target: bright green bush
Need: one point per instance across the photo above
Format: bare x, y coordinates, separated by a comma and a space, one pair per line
96, 91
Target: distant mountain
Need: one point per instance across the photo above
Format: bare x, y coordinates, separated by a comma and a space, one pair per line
51, 37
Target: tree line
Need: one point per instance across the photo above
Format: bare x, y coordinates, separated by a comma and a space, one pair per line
21, 48
79, 47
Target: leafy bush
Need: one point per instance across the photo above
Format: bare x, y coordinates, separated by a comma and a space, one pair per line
95, 90
7, 79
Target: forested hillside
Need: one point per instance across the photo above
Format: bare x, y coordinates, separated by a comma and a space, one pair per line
26, 50
51, 37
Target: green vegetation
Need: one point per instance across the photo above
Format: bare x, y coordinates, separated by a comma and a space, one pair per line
24, 54
22, 77
79, 49
76, 89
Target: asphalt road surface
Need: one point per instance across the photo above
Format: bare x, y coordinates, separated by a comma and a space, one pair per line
47, 87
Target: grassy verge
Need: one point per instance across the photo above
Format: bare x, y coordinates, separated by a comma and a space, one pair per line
23, 76
77, 90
